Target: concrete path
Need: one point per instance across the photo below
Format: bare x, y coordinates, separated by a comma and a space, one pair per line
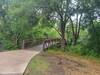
15, 62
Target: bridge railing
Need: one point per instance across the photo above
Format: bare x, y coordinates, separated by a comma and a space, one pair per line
43, 41
50, 42
31, 42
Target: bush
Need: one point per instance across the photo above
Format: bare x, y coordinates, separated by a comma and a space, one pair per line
8, 45
74, 49
94, 39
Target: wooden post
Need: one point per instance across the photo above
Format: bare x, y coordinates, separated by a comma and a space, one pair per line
23, 44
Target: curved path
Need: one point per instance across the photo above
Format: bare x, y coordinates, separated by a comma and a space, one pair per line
15, 62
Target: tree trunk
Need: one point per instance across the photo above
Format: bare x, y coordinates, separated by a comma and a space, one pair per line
76, 29
75, 39
63, 40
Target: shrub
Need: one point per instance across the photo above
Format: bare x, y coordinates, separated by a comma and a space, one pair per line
8, 45
94, 39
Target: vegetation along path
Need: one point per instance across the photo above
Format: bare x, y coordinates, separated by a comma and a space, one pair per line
59, 63
15, 62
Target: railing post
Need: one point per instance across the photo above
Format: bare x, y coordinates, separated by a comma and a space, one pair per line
23, 44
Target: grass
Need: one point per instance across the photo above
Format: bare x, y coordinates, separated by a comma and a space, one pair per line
40, 64
37, 66
72, 53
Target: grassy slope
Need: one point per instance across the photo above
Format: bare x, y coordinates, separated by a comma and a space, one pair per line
41, 64
37, 66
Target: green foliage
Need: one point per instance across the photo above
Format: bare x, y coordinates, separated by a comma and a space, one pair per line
88, 43
81, 50
9, 45
16, 24
94, 40
33, 19
74, 49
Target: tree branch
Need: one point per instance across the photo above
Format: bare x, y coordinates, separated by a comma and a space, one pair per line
58, 31
72, 25
79, 24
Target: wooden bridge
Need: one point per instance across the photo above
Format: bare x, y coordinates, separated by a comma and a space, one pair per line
45, 42
50, 42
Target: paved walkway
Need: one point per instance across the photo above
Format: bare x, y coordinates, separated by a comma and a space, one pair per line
15, 62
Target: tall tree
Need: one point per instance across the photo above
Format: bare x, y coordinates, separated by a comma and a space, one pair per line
76, 20
58, 10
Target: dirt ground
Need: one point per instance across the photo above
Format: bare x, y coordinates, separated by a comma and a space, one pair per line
69, 65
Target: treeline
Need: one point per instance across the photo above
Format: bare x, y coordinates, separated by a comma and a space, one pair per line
19, 23
76, 22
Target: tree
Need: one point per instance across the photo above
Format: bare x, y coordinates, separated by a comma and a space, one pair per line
76, 20
15, 23
58, 10
86, 12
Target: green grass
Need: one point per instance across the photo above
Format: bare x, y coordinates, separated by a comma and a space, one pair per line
37, 66
74, 51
